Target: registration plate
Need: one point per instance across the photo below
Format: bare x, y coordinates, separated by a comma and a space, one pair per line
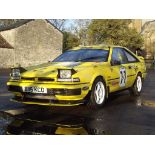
35, 90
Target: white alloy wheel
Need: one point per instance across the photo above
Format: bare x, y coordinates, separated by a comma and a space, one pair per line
99, 92
139, 84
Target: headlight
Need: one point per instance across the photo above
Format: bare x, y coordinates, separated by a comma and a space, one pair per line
15, 74
65, 74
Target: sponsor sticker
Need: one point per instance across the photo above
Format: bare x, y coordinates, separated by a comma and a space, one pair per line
123, 77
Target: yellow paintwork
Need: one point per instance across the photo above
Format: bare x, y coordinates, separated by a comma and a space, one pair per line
86, 71
71, 131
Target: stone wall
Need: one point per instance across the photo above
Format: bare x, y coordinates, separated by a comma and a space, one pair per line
9, 36
34, 43
137, 24
6, 58
149, 39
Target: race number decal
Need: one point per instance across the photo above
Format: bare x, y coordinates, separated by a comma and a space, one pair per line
123, 77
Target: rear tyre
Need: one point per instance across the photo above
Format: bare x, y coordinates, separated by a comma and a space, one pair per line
137, 86
98, 93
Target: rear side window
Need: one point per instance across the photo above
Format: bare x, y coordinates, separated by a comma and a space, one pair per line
130, 57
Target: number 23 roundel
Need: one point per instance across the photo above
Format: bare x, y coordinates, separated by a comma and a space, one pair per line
123, 77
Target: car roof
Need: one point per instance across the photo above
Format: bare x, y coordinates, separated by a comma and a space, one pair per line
101, 46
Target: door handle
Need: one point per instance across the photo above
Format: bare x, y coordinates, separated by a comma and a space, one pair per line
130, 67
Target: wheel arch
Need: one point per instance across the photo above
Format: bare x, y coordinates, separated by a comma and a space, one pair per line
99, 76
139, 73
94, 78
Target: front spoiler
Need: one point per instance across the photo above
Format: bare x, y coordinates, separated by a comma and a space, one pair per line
48, 102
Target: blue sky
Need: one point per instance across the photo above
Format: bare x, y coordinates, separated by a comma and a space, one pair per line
69, 22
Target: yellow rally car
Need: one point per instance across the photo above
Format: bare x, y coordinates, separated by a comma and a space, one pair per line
81, 75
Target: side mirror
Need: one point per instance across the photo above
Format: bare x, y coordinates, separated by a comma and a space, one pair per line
141, 58
115, 62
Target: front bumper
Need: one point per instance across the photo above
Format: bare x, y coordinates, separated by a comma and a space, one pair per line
57, 94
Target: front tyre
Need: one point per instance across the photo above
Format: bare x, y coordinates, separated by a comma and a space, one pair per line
137, 86
98, 93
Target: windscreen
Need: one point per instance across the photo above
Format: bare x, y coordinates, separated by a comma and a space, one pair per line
83, 55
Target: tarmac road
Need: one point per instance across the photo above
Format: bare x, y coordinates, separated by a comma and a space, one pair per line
123, 114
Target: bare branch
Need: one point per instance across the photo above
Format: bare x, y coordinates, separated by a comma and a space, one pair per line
59, 23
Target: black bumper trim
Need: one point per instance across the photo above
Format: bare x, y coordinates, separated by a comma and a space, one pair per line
50, 91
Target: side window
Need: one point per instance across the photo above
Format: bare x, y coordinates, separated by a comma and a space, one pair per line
118, 56
130, 57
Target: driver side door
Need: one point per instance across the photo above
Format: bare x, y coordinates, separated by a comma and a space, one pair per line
119, 70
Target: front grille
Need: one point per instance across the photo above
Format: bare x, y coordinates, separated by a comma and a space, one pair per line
27, 78
37, 79
42, 79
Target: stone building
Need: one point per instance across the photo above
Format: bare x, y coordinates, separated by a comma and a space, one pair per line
148, 32
29, 42
137, 24
146, 27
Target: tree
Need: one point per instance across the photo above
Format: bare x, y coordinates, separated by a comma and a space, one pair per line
59, 23
79, 27
7, 22
70, 40
114, 31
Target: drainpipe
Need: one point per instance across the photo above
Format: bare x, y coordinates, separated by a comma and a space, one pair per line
151, 49
14, 58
